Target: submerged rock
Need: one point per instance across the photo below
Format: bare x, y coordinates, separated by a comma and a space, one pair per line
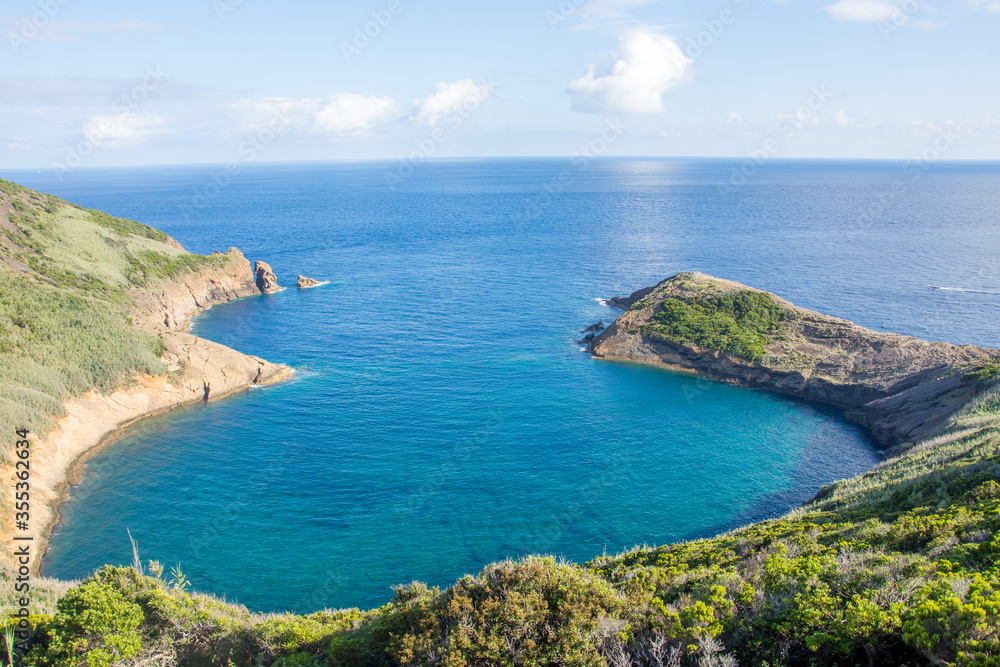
266, 280
307, 282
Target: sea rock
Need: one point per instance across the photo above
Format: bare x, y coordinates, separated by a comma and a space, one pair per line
596, 328
306, 282
267, 282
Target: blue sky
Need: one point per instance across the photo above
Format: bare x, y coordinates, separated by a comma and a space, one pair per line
105, 83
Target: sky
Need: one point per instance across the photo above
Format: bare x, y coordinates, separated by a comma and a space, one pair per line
97, 83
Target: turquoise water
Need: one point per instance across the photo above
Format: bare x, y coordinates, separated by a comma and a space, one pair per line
443, 417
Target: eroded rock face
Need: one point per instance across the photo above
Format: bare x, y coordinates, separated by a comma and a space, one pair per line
267, 282
168, 305
306, 282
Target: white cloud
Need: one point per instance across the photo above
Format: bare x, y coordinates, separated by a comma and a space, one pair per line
648, 65
800, 119
126, 129
350, 113
841, 118
264, 112
863, 11
607, 9
734, 118
447, 99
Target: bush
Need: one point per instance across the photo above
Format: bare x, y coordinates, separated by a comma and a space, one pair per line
741, 323
96, 626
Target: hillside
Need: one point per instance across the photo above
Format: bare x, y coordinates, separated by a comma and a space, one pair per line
900, 566
93, 318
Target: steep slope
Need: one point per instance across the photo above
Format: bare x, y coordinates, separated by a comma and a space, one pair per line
93, 335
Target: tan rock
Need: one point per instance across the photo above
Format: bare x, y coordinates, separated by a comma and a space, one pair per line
267, 282
304, 282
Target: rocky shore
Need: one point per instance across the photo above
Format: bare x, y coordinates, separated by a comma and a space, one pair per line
899, 387
197, 370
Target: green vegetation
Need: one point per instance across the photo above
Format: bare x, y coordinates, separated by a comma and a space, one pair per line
65, 302
125, 228
740, 323
984, 373
55, 344
900, 566
151, 266
86, 251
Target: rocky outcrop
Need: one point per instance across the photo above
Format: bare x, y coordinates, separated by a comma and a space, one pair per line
168, 306
304, 282
900, 387
267, 282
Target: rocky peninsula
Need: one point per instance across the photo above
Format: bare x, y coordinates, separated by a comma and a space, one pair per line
901, 388
51, 248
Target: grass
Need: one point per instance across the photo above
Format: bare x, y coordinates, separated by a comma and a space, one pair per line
64, 330
55, 344
740, 323
984, 373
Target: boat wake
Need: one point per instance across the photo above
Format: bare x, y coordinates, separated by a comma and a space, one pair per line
968, 290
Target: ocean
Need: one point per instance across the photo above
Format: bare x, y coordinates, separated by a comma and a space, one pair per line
443, 415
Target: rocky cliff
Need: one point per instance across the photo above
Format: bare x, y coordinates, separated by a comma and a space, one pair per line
900, 387
71, 278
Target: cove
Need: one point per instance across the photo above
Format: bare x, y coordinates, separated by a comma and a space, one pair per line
443, 416
364, 473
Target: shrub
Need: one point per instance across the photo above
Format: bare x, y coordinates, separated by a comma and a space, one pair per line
741, 323
96, 626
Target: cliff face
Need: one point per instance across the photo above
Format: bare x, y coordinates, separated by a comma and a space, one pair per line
900, 387
168, 306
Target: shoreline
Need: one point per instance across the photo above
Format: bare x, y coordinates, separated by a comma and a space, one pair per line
197, 370
73, 472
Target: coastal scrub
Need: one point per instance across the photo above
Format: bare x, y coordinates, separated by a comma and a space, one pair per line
741, 323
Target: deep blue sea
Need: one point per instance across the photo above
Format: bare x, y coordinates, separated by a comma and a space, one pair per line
443, 416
